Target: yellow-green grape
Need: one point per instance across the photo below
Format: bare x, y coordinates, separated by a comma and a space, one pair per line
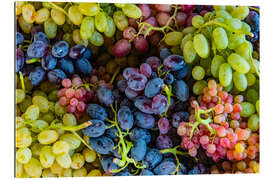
188, 30
253, 122
77, 38
208, 16
53, 95
189, 52
220, 38
51, 107
245, 28
244, 49
199, 86
28, 13
186, 38
176, 50
48, 117
64, 160
240, 81
72, 140
19, 5
89, 155
94, 172
20, 96
26, 27
36, 148
50, 28
101, 23
19, 122
18, 111
252, 96
230, 8
41, 102
235, 40
173, 38
120, 20
33, 168
47, 173
80, 172
25, 104
39, 93
201, 45
47, 136
56, 168
238, 63
31, 113
46, 5
46, 157
23, 137
42, 15
60, 147
234, 24
19, 169
69, 119
87, 27
75, 15
39, 125
77, 161
59, 110
257, 66
198, 73
197, 21
223, 14
66, 173
119, 5
58, 17
96, 39
60, 131
225, 74
217, 7
215, 65
110, 31
23, 155
89, 9
132, 11
241, 12
258, 106
251, 79
247, 109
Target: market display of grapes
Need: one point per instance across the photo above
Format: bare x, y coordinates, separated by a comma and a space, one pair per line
136, 89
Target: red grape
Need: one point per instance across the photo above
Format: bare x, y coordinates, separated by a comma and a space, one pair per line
121, 48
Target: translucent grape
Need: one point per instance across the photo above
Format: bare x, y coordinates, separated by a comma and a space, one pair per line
173, 38
23, 155
77, 161
235, 40
238, 63
234, 24
247, 109
26, 27
28, 13
110, 31
75, 15
58, 17
198, 73
253, 122
225, 74
220, 38
72, 140
42, 15
87, 27
240, 12
201, 45
33, 168
101, 21
60, 147
46, 157
189, 52
89, 155
120, 20
199, 86
47, 136
63, 160
88, 9
77, 38
197, 21
223, 14
132, 11
96, 39
215, 65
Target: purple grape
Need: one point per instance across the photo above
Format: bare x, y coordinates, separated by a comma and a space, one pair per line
141, 44
178, 117
60, 49
169, 78
163, 125
121, 48
144, 104
159, 104
122, 85
153, 87
174, 62
66, 65
48, 62
125, 118
77, 51
19, 38
139, 133
56, 76
146, 70
40, 36
166, 167
253, 19
152, 158
164, 142
83, 67
143, 120
138, 150
164, 53
146, 172
154, 62
108, 164
96, 129
102, 144
19, 59
105, 95
96, 111
129, 72
117, 95
126, 102
131, 94
37, 76
137, 82
180, 89
36, 49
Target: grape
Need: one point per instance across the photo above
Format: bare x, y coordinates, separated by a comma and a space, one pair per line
215, 65
143, 120
258, 106
139, 133
144, 104
146, 11
19, 38
63, 160
162, 18
199, 86
174, 62
164, 142
152, 21
189, 52
123, 173
77, 51
164, 53
153, 87
197, 21
247, 109
83, 66
253, 122
240, 12
225, 74
101, 21
198, 73
173, 38
88, 9
120, 20
96, 129
146, 172
60, 49
201, 45
23, 155
50, 28
102, 144
253, 19
165, 168
163, 125
154, 62
182, 73
240, 81
66, 65
138, 150
179, 117
159, 104
96, 111
146, 70
125, 118
36, 49
28, 13
42, 103
238, 63
33, 168
121, 48
223, 14
48, 62
162, 7
56, 76
47, 136
220, 38
72, 140
58, 17
137, 82
60, 148
131, 94
129, 33
110, 31
89, 155
74, 15
36, 76
180, 89
152, 158
181, 18
108, 164
105, 95
42, 15
111, 133
26, 27
141, 44
77, 161
19, 59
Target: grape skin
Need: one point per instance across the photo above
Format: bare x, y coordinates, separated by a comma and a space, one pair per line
138, 150
96, 111
102, 144
96, 129
125, 118
143, 120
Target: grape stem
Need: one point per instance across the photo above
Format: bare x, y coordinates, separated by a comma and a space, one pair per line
168, 91
34, 60
114, 75
22, 81
58, 8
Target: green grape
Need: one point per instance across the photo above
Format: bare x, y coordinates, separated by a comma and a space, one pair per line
60, 147
33, 168
80, 172
48, 117
26, 27
253, 122
207, 32
53, 95
47, 173
240, 12
251, 79
215, 64
110, 31
252, 96
23, 155
36, 149
217, 7
225, 74
198, 73
238, 63
31, 113
244, 49
230, 8
219, 20
173, 38
245, 28
56, 168
47, 136
28, 13
258, 106
39, 93
206, 64
51, 106
132, 11
20, 96
220, 38
189, 52
101, 22
19, 122
75, 15
197, 21
188, 30
59, 110
89, 155
26, 103
201, 45
46, 157
235, 40
42, 15
19, 169
247, 109
208, 16
257, 65
72, 140
229, 87
89, 9
199, 86
46, 5
94, 172
186, 38
119, 5
87, 27
77, 38
59, 131
77, 161
58, 17
41, 102
63, 160
39, 125
176, 50
96, 39
234, 24
223, 14
66, 173
50, 28
240, 81
120, 20
69, 119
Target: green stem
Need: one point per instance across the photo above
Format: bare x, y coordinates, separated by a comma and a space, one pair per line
58, 8
34, 60
22, 80
114, 75
168, 91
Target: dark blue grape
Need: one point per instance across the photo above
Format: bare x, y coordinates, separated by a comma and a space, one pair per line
108, 164
159, 104
146, 172
117, 95
96, 111
102, 144
84, 67
163, 125
36, 49
178, 117
180, 89
60, 49
126, 102
87, 54
144, 120
19, 38
253, 19
138, 150
111, 132
131, 94
144, 104
77, 51
105, 95
137, 82
174, 62
164, 53
153, 87
125, 118
139, 133
116, 153
165, 168
37, 76
123, 173
169, 78
122, 85
19, 60
164, 142
48, 62
56, 76
152, 158
41, 36
182, 73
67, 66
96, 129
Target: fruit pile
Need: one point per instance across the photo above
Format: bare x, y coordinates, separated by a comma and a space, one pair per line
136, 89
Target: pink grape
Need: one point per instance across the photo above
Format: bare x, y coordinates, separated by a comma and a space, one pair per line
162, 18
162, 7
154, 39
133, 22
146, 70
204, 140
81, 106
221, 131
224, 142
146, 11
152, 21
63, 101
78, 93
187, 8
154, 62
73, 102
71, 109
141, 44
66, 83
181, 130
62, 92
211, 148
121, 48
69, 93
76, 80
192, 152
129, 33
